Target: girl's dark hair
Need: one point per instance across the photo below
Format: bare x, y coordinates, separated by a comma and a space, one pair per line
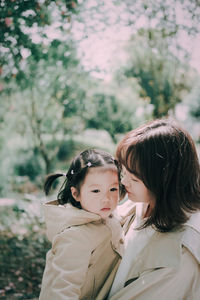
164, 157
77, 171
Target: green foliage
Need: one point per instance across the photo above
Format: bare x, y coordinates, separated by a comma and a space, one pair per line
45, 102
23, 248
65, 150
36, 79
48, 101
52, 108
194, 101
106, 113
165, 16
28, 164
22, 264
17, 19
161, 76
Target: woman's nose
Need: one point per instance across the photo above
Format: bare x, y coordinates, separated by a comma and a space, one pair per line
124, 181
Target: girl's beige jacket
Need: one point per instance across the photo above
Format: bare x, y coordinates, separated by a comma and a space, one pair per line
85, 248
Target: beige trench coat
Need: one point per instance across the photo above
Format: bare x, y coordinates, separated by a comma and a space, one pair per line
168, 268
84, 251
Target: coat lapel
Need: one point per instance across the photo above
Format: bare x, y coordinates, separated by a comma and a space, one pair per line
163, 250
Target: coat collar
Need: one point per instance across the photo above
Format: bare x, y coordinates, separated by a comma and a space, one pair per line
59, 217
191, 238
163, 250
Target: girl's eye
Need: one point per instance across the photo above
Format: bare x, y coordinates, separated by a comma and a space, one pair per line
95, 191
113, 189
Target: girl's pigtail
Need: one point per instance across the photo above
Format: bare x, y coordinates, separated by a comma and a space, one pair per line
49, 181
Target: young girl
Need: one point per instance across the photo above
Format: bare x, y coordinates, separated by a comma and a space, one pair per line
86, 237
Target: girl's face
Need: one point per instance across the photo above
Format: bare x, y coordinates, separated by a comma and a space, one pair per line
99, 192
136, 190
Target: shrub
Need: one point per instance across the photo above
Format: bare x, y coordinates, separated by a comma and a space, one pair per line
23, 248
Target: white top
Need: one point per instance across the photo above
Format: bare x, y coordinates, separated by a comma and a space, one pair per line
135, 241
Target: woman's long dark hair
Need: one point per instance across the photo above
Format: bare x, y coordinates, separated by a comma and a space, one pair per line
164, 157
77, 172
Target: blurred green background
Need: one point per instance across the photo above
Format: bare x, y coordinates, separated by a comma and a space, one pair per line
79, 74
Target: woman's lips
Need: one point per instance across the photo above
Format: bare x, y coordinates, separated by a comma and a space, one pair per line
129, 193
105, 209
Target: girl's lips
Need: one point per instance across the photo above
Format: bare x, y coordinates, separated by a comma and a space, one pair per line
105, 209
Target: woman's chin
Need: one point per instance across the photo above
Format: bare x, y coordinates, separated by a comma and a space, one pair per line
131, 197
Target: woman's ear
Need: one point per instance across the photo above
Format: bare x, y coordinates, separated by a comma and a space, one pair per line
74, 193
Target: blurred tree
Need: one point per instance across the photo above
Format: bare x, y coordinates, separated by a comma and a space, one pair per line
26, 27
159, 59
47, 96
162, 58
40, 99
37, 59
162, 77
60, 102
195, 103
170, 18
106, 112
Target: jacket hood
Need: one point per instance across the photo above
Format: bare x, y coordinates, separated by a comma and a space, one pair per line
59, 217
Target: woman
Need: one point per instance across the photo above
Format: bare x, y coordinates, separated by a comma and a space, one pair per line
161, 174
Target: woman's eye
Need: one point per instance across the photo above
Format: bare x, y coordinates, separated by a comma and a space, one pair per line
135, 180
95, 191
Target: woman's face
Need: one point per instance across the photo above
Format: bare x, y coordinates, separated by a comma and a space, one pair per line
136, 190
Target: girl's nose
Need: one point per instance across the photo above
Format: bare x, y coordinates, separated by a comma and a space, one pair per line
106, 199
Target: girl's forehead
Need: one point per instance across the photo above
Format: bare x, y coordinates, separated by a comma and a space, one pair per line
103, 169
101, 176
